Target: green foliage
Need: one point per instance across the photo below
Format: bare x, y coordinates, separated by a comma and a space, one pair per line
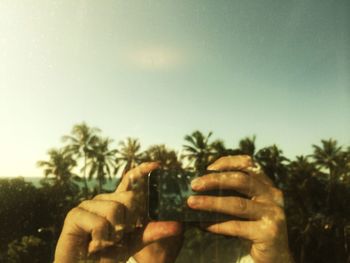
167, 158
198, 150
59, 167
28, 249
102, 161
18, 210
29, 211
247, 145
128, 154
274, 164
316, 188
80, 143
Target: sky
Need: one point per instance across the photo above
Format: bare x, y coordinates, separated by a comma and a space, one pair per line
158, 70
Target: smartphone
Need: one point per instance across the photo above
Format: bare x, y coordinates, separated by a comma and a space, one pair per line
168, 191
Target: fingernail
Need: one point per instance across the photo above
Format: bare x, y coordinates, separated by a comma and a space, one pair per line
197, 184
194, 201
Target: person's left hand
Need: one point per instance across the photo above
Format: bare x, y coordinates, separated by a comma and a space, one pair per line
112, 227
265, 224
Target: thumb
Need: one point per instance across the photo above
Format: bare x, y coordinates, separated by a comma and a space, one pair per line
155, 231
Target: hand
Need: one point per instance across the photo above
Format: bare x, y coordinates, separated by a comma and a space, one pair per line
110, 226
265, 224
162, 251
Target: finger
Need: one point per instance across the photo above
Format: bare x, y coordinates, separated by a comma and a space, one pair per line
237, 181
259, 174
113, 211
134, 202
126, 198
171, 245
79, 226
242, 163
155, 231
235, 162
132, 178
235, 206
237, 228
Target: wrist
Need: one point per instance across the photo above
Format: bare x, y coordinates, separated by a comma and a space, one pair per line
152, 253
163, 251
268, 254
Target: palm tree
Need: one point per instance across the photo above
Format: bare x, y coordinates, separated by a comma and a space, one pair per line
101, 161
128, 155
218, 149
346, 167
167, 158
247, 145
301, 183
329, 157
198, 150
59, 166
81, 143
274, 164
302, 167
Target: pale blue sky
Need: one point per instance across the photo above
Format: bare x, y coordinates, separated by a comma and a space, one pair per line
158, 70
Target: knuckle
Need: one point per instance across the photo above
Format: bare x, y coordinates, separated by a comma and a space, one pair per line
274, 232
210, 179
75, 215
101, 225
278, 194
270, 227
224, 176
127, 198
113, 210
72, 214
99, 197
241, 179
134, 171
246, 160
239, 226
279, 216
242, 204
204, 200
84, 203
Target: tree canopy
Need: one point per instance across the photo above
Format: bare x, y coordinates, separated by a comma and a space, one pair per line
316, 188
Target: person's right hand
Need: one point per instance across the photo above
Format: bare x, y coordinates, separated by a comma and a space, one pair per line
109, 227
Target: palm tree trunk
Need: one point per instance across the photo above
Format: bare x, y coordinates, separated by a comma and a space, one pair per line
84, 178
100, 185
330, 188
100, 179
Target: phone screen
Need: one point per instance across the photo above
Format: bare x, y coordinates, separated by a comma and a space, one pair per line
168, 194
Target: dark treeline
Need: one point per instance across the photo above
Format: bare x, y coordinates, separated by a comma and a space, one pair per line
316, 188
